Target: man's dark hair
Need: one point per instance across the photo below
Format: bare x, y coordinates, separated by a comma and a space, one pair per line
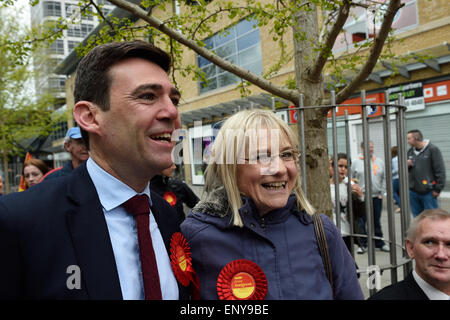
93, 80
416, 134
339, 157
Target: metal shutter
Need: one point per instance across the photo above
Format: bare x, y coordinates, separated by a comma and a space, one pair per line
436, 128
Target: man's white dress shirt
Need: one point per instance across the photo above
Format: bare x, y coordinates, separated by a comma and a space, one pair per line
123, 234
431, 292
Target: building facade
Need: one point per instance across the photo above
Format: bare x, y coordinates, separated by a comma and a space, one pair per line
82, 25
422, 78
421, 31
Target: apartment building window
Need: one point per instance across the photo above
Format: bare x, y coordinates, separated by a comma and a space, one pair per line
59, 131
105, 10
52, 9
72, 10
57, 47
54, 62
72, 44
80, 31
87, 17
56, 84
362, 25
239, 44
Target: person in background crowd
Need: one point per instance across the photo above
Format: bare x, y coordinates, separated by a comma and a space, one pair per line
174, 191
100, 233
33, 170
426, 173
377, 171
256, 224
357, 195
74, 144
428, 243
395, 177
1, 183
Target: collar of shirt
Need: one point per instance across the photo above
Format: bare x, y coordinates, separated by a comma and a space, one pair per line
111, 191
431, 292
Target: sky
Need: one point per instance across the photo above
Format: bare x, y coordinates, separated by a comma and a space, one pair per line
25, 16
26, 12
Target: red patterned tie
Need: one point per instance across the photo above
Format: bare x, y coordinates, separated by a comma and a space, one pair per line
139, 207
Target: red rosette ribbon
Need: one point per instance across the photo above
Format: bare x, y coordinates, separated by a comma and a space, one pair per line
181, 262
170, 197
242, 280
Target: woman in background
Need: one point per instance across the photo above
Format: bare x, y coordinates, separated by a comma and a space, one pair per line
357, 197
33, 170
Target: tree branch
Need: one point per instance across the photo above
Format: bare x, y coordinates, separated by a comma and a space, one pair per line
316, 70
375, 51
291, 95
99, 11
212, 15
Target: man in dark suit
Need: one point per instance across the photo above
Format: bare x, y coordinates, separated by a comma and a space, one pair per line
408, 289
75, 237
427, 242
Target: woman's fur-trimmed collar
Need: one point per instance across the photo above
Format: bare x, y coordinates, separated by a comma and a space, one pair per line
215, 204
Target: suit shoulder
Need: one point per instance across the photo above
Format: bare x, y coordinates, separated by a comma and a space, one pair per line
38, 206
393, 292
46, 192
406, 289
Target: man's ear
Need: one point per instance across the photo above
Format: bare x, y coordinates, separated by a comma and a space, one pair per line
67, 146
86, 114
410, 248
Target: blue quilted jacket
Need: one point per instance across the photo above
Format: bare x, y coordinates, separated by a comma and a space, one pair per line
282, 243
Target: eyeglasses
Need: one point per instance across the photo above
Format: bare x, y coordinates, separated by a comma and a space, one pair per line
265, 160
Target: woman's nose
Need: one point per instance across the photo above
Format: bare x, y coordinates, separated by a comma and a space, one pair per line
277, 166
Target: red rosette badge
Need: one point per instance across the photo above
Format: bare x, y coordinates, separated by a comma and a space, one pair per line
242, 280
170, 197
180, 259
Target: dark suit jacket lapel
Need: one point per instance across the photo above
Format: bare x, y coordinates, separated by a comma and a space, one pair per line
90, 237
413, 290
165, 218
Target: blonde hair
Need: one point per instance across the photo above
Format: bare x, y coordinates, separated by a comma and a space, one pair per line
229, 144
433, 214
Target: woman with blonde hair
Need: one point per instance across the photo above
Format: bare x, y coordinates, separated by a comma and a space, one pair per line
253, 236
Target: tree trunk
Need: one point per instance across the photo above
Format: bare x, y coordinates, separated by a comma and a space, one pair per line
317, 177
